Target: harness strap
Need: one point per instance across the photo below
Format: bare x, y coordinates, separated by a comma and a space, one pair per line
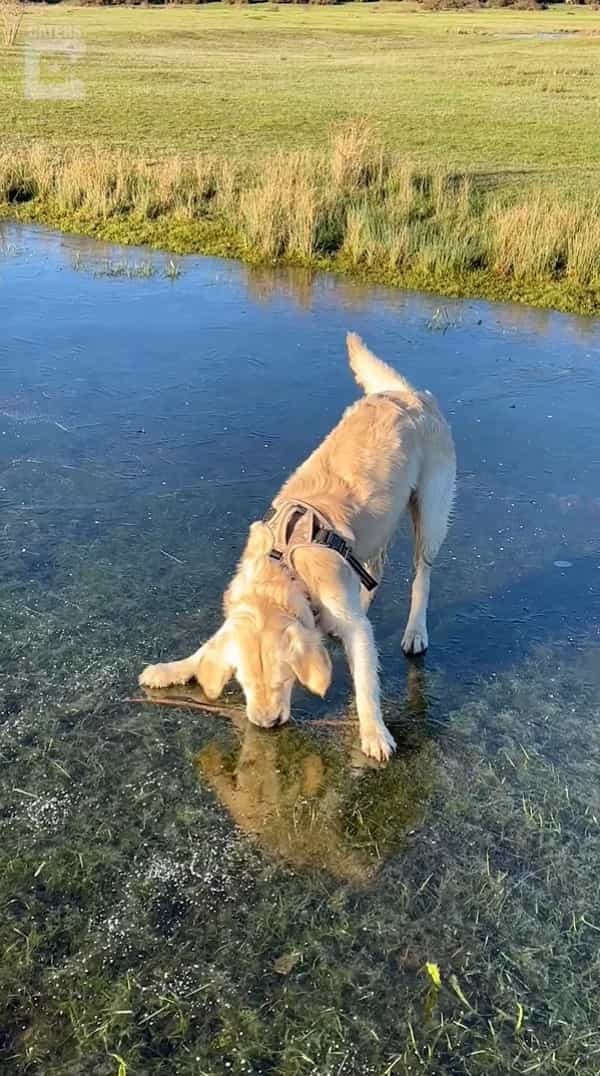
290, 517
333, 540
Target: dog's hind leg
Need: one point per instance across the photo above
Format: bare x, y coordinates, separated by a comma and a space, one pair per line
430, 507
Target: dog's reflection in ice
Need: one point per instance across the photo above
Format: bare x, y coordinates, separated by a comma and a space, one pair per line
312, 799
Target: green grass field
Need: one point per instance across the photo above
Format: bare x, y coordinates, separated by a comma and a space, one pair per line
508, 99
476, 91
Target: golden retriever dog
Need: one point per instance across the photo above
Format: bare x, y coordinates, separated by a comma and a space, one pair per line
310, 568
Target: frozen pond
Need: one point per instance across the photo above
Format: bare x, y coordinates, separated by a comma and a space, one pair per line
182, 894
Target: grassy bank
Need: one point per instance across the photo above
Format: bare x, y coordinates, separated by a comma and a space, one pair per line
355, 207
509, 96
221, 142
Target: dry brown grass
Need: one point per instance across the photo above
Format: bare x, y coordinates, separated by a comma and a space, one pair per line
355, 202
280, 210
11, 17
538, 239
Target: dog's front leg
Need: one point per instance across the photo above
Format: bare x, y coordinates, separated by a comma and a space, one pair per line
337, 594
356, 633
211, 666
359, 644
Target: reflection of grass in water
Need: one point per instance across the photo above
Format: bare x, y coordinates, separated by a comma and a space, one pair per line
139, 922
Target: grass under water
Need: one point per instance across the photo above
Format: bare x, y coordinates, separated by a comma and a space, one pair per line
184, 895
139, 920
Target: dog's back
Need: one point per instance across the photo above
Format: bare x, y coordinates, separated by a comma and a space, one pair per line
363, 474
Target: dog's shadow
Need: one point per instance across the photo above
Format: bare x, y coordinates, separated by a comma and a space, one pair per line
310, 798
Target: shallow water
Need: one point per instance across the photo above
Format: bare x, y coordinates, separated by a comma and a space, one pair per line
187, 894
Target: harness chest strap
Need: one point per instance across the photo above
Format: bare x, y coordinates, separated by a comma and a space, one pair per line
294, 524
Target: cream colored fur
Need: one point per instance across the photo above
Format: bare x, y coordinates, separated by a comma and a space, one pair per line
392, 450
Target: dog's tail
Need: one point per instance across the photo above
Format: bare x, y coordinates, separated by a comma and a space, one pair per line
372, 374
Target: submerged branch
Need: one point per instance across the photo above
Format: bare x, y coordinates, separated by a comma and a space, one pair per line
185, 702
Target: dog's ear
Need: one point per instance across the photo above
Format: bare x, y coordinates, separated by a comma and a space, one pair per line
260, 540
215, 667
309, 659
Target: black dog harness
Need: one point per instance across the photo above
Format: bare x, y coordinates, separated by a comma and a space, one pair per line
295, 524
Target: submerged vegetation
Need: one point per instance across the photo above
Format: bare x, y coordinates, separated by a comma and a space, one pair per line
440, 915
184, 896
356, 207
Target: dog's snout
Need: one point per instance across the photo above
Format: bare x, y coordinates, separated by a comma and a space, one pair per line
266, 721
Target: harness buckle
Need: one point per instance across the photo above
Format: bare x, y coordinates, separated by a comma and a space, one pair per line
332, 540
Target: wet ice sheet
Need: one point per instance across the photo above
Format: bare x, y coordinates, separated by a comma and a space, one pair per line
200, 897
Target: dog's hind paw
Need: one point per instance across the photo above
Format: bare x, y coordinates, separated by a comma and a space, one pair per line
415, 640
377, 743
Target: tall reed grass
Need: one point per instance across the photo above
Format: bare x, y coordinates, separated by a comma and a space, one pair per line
11, 17
354, 203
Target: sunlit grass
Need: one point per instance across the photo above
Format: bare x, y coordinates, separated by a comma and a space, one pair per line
223, 141
356, 206
470, 91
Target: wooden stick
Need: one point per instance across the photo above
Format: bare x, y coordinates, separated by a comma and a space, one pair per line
191, 704
225, 711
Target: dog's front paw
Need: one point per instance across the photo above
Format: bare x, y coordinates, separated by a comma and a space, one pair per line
415, 640
377, 743
156, 676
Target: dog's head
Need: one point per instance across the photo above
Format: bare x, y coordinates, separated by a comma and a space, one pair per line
266, 653
264, 642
